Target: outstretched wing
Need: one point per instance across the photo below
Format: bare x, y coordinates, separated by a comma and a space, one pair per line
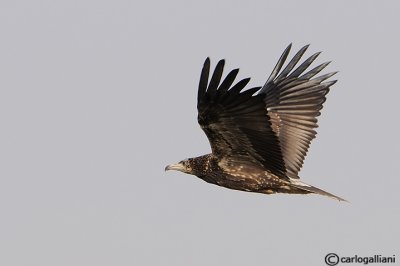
236, 121
294, 101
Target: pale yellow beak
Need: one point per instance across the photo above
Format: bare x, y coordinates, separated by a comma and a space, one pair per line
176, 167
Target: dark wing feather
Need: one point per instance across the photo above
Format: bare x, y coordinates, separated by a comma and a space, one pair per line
204, 78
294, 101
236, 122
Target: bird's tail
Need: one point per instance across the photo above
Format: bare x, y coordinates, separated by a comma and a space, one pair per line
306, 187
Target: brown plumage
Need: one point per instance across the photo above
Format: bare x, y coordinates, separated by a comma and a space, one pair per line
259, 137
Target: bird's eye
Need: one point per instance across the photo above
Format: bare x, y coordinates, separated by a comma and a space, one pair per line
187, 166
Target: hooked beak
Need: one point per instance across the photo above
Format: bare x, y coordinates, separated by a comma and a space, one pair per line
176, 167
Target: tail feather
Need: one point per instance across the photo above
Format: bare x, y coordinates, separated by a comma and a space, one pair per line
303, 186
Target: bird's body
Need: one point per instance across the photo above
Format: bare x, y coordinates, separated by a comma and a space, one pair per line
259, 137
245, 176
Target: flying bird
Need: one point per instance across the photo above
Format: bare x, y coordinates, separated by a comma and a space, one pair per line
259, 137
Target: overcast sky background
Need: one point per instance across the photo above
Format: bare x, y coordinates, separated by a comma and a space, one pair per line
96, 97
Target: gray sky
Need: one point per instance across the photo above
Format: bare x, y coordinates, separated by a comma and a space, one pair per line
96, 97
